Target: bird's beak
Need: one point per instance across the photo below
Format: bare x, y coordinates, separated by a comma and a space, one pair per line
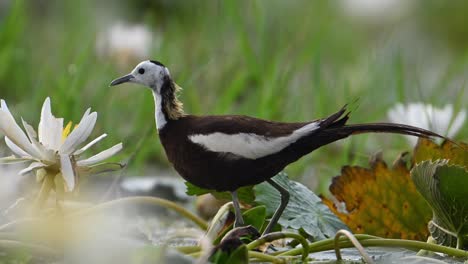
123, 79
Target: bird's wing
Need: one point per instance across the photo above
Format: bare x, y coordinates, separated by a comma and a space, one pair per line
247, 137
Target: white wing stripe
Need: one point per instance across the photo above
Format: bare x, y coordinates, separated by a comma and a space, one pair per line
249, 145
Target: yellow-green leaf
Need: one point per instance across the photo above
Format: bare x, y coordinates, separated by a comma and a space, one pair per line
428, 150
445, 188
381, 201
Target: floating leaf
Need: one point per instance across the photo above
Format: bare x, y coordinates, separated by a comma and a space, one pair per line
255, 217
445, 188
380, 201
245, 194
305, 209
239, 256
428, 150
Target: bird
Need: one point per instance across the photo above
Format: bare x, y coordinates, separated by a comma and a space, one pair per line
226, 152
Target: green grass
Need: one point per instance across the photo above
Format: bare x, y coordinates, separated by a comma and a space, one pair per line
289, 62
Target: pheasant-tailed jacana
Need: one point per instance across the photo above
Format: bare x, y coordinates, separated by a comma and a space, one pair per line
226, 152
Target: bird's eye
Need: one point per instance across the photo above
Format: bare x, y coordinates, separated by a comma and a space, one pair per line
141, 71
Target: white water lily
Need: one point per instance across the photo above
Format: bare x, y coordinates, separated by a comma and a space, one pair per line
440, 120
126, 43
55, 150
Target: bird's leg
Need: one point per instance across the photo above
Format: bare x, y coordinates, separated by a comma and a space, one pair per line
284, 202
235, 201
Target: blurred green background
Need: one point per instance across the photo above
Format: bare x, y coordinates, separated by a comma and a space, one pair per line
281, 60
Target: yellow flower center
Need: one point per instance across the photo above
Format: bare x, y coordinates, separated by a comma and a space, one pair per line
66, 131
68, 128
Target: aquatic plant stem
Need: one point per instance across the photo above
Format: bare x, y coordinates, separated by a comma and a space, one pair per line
142, 200
355, 242
379, 242
279, 235
252, 254
265, 257
44, 192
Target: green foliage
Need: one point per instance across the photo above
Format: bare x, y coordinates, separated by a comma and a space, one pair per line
17, 256
305, 210
255, 217
237, 256
445, 188
232, 248
223, 221
245, 194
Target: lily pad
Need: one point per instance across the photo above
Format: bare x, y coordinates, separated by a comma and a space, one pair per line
305, 209
445, 188
381, 200
428, 150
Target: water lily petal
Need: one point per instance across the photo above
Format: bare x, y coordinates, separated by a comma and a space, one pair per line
87, 112
43, 123
90, 144
99, 168
11, 130
457, 123
15, 149
30, 132
67, 172
31, 167
79, 134
46, 154
12, 159
50, 127
439, 120
100, 156
4, 107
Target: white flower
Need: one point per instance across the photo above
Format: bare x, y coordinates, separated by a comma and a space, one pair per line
375, 10
54, 148
440, 120
125, 43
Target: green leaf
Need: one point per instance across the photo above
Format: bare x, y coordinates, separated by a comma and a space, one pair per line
305, 209
255, 216
239, 256
245, 194
445, 188
428, 150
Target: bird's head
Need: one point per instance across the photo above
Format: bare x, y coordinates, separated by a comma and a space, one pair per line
156, 76
152, 74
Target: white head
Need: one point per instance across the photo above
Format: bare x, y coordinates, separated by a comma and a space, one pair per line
149, 73
156, 76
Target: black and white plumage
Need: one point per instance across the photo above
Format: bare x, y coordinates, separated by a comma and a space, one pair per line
227, 152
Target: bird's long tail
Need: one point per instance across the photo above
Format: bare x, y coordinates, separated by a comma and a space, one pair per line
334, 128
337, 123
385, 128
